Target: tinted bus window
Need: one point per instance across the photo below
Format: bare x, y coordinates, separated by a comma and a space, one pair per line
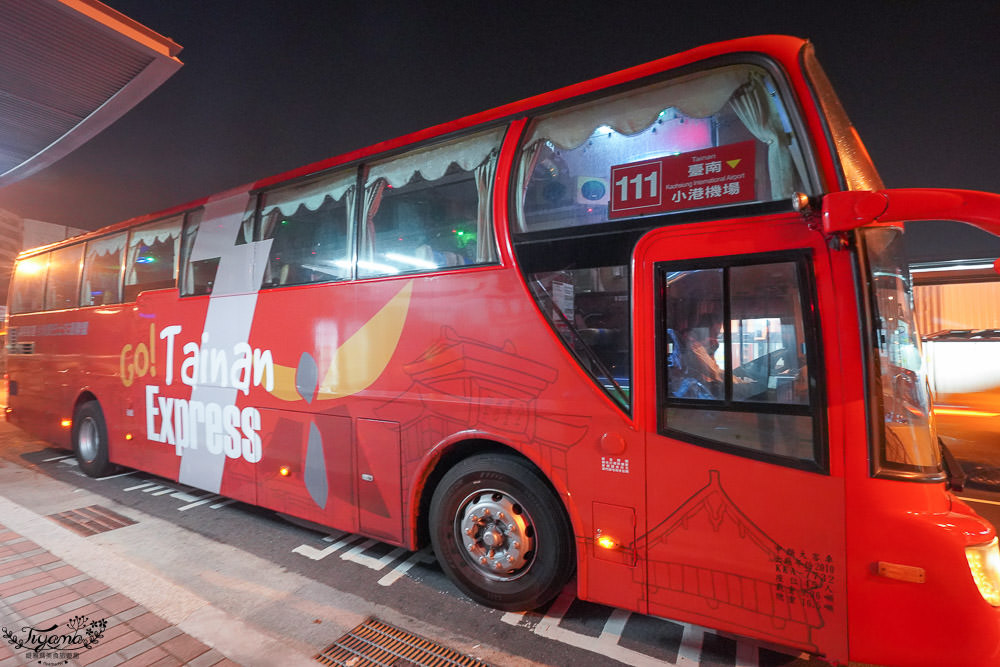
28, 286
62, 285
710, 139
430, 209
309, 225
102, 269
736, 352
152, 256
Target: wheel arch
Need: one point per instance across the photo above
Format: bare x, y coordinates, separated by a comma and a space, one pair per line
85, 396
446, 456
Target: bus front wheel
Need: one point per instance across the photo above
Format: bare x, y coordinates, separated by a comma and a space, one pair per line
500, 533
90, 440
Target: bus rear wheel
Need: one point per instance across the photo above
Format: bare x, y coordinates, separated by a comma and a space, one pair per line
500, 533
90, 440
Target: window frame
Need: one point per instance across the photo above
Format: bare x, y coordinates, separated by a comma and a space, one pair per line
259, 201
85, 273
815, 408
80, 250
16, 306
376, 162
137, 288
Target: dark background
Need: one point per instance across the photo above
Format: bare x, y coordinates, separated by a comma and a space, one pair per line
268, 86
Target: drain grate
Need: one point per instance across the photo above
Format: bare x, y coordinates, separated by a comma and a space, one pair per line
374, 643
91, 520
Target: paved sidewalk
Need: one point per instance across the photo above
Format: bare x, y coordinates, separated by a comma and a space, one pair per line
93, 624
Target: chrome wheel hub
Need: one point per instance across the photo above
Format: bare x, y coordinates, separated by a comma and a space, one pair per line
497, 534
88, 440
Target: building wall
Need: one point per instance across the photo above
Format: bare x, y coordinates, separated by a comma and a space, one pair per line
957, 306
17, 234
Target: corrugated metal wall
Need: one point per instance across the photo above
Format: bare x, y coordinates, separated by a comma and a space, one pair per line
958, 306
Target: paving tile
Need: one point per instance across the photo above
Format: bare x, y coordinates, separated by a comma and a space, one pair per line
148, 624
107, 647
147, 658
89, 586
184, 647
44, 558
22, 584
115, 630
14, 568
90, 610
21, 547
97, 596
116, 603
206, 659
45, 602
130, 614
137, 648
166, 634
64, 572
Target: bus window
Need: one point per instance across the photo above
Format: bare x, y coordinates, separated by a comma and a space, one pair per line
152, 256
430, 209
101, 282
735, 348
710, 139
62, 285
197, 277
589, 308
309, 225
27, 290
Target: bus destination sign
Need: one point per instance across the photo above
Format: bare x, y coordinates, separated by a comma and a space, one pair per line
709, 177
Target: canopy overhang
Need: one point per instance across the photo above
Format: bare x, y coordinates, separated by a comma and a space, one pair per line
68, 69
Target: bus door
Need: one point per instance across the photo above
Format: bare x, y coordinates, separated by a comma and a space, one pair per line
746, 527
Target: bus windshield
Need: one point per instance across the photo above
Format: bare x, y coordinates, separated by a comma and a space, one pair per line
715, 138
907, 444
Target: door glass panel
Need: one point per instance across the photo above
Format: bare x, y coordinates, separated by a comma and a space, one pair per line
735, 347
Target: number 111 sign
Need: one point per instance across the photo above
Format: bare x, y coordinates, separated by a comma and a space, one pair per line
710, 177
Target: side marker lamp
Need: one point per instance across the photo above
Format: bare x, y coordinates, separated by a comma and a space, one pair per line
284, 471
984, 563
605, 541
66, 423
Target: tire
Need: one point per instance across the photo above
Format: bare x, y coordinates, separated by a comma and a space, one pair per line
500, 533
90, 440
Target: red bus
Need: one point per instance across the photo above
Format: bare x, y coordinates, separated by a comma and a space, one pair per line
654, 329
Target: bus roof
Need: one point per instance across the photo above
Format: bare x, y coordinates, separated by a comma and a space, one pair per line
784, 49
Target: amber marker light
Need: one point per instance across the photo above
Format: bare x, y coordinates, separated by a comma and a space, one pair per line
284, 471
66, 423
128, 436
984, 563
605, 541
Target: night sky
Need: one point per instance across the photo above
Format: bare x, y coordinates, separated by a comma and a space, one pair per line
268, 86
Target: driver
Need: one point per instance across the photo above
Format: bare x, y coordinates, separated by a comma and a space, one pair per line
701, 343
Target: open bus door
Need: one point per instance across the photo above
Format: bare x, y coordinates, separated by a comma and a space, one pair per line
745, 491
